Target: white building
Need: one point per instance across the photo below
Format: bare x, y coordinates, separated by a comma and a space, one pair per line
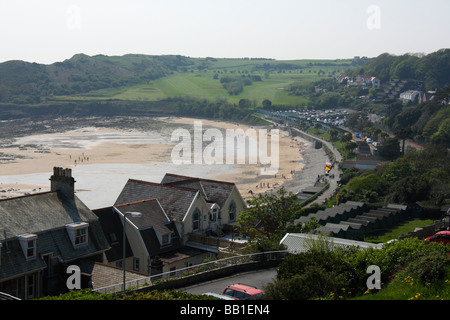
410, 95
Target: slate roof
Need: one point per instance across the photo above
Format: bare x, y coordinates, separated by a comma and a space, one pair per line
46, 215
175, 200
214, 191
153, 215
112, 228
40, 212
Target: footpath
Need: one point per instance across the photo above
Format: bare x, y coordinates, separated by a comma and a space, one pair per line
315, 160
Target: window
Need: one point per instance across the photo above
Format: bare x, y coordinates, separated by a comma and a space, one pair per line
28, 244
80, 236
30, 286
165, 239
31, 250
113, 238
214, 213
232, 211
196, 220
78, 233
136, 264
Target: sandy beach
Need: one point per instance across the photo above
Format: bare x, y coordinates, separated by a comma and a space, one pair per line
99, 154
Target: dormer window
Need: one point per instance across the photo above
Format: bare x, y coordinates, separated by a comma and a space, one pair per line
165, 239
78, 233
28, 244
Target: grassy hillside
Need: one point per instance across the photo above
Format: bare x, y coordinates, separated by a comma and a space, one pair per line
151, 78
201, 78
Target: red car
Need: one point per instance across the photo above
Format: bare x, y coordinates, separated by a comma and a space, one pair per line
241, 291
441, 237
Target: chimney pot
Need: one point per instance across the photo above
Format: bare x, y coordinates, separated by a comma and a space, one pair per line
62, 181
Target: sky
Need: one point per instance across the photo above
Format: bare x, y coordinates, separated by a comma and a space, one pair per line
54, 30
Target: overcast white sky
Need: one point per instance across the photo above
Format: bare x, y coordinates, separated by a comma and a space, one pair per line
55, 30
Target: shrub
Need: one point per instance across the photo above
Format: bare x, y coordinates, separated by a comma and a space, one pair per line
428, 269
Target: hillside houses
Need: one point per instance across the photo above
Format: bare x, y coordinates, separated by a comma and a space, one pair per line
365, 81
44, 233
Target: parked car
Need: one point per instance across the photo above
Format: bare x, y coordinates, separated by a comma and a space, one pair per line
241, 291
441, 237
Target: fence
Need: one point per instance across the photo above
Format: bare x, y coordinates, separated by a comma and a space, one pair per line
427, 231
257, 259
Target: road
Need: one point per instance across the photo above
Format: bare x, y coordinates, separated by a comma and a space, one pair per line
257, 278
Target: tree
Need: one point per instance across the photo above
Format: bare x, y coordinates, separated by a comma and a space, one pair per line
403, 134
266, 103
333, 134
244, 103
390, 149
347, 137
268, 215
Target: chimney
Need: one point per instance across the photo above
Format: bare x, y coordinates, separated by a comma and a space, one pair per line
62, 181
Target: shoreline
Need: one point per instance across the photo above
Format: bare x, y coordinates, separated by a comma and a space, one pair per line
88, 149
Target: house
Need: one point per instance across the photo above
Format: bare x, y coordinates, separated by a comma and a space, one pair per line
410, 95
376, 83
195, 205
224, 199
41, 235
152, 241
426, 96
172, 211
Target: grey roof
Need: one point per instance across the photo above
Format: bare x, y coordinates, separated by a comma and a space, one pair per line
338, 212
46, 215
41, 212
213, 190
175, 200
153, 215
299, 242
113, 230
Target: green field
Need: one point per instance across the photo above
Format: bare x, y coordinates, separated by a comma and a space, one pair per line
198, 81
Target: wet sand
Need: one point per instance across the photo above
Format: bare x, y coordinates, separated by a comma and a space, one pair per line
101, 153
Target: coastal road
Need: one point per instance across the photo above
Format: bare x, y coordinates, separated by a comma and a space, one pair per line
315, 160
334, 171
257, 278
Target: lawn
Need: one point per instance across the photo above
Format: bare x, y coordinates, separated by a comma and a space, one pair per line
397, 231
405, 287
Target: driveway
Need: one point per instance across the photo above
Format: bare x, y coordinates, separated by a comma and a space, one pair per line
258, 278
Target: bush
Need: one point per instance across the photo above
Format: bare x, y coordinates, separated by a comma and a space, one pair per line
428, 269
311, 274
327, 269
314, 282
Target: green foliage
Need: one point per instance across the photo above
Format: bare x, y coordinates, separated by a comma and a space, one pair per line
235, 84
88, 294
268, 215
311, 274
433, 69
166, 295
84, 294
342, 272
417, 176
390, 149
429, 268
23, 82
